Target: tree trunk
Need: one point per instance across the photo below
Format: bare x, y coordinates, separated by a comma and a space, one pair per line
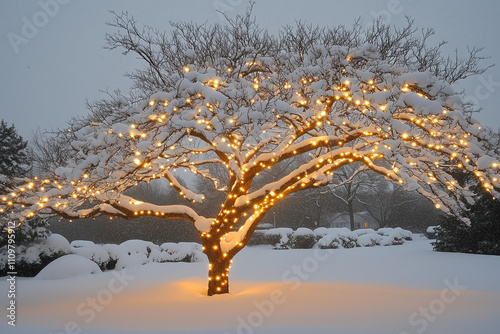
351, 215
218, 270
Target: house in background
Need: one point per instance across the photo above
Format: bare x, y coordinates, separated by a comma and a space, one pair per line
361, 220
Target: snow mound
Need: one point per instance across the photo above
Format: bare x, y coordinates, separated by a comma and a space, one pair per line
68, 266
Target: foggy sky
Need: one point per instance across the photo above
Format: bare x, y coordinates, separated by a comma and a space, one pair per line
48, 72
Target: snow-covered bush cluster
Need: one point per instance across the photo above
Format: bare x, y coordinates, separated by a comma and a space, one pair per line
34, 257
136, 252
303, 238
31, 259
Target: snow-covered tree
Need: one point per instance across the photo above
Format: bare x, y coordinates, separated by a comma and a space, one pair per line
234, 96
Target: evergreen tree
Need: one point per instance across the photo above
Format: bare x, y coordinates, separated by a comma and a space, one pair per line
482, 236
15, 164
14, 160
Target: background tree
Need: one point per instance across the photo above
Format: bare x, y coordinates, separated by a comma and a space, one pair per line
49, 151
387, 198
15, 164
234, 96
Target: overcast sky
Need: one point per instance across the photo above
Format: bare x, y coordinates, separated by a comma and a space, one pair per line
52, 57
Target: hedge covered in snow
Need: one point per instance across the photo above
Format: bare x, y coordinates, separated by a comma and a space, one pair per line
31, 259
303, 238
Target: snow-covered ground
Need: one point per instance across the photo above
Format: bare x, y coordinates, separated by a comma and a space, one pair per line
395, 289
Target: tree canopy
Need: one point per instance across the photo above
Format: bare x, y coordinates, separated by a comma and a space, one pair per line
234, 96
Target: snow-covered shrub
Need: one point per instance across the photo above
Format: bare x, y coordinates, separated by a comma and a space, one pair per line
320, 232
337, 238
180, 252
115, 252
258, 238
302, 238
138, 252
55, 243
407, 235
33, 258
363, 231
279, 237
369, 239
139, 246
390, 237
347, 237
394, 236
329, 240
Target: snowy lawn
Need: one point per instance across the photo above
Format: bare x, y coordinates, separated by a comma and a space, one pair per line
394, 289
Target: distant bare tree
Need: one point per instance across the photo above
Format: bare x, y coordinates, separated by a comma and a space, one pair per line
350, 183
386, 198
